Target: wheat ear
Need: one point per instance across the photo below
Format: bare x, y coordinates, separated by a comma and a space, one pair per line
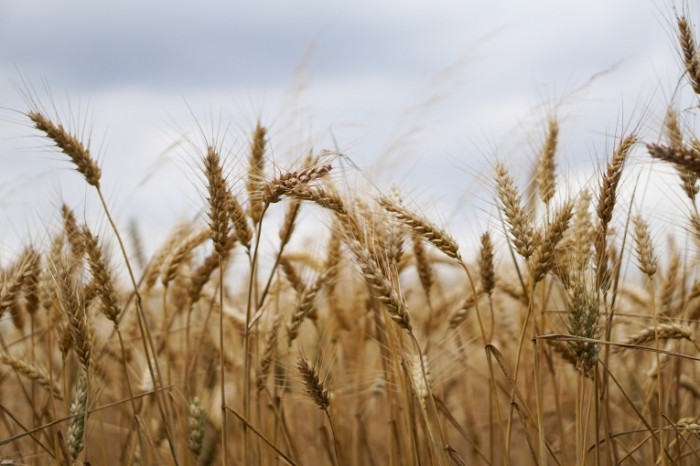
546, 167
511, 203
690, 52
256, 169
32, 372
665, 331
69, 145
685, 157
423, 228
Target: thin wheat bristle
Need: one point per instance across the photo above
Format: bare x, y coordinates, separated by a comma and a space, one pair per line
71, 146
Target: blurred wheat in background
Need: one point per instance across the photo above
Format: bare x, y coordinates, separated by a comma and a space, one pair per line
568, 336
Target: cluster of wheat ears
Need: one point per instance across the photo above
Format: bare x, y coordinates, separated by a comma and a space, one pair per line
384, 346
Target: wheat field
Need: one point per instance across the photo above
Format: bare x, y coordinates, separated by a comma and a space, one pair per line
567, 338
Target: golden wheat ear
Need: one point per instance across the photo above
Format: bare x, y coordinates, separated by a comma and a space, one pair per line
511, 203
686, 157
666, 331
543, 258
689, 51
102, 277
486, 266
219, 218
313, 385
69, 145
546, 166
256, 174
423, 228
32, 372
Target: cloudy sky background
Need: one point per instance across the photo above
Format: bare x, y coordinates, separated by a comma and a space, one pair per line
423, 95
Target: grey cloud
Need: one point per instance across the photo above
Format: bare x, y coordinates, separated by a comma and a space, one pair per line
175, 47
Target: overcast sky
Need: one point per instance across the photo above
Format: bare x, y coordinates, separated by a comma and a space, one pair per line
423, 95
